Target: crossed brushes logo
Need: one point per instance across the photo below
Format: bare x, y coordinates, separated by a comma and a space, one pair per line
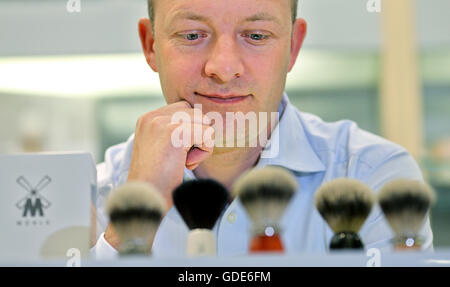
33, 202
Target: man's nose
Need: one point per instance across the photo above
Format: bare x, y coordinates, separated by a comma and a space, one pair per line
224, 63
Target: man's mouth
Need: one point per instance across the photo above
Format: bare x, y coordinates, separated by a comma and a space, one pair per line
224, 99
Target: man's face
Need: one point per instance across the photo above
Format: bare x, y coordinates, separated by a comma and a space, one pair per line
228, 55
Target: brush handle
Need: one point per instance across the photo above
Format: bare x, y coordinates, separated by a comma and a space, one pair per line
405, 243
201, 242
346, 240
264, 243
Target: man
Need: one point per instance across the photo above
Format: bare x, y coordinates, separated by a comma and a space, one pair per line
233, 56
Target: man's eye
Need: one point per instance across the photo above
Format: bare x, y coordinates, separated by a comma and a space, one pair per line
256, 37
192, 36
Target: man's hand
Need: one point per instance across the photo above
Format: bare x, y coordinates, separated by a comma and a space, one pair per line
157, 160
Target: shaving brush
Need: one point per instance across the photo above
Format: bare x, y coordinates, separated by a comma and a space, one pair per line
265, 194
135, 210
344, 204
200, 203
405, 204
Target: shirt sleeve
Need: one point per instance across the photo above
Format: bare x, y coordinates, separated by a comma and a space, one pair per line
376, 232
102, 250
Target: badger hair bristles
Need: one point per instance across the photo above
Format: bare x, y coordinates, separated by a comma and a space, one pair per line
200, 202
345, 203
265, 194
405, 204
135, 210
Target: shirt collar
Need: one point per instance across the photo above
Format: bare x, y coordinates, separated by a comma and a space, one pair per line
291, 144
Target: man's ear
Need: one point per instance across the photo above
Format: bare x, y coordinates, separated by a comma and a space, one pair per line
298, 35
147, 42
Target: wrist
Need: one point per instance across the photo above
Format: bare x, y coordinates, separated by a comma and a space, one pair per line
111, 237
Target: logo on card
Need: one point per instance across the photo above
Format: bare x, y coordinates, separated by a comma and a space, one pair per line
34, 203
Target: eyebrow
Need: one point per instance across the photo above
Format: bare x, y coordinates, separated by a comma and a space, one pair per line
262, 17
186, 15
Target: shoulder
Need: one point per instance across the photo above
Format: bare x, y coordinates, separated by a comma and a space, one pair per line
361, 152
346, 137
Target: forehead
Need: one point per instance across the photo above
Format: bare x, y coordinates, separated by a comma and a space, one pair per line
229, 11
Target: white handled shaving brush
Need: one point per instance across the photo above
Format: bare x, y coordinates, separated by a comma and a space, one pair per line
405, 204
135, 210
265, 194
345, 203
200, 203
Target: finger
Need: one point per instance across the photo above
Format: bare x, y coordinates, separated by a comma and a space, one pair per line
177, 105
168, 110
202, 137
195, 156
187, 134
193, 115
202, 148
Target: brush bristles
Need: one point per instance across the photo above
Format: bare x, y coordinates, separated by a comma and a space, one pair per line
135, 210
344, 203
265, 213
136, 229
265, 193
405, 204
200, 202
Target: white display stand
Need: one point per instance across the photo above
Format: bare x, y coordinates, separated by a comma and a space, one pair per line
439, 258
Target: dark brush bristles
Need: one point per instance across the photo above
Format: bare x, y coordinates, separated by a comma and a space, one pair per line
200, 202
135, 210
344, 203
405, 204
265, 193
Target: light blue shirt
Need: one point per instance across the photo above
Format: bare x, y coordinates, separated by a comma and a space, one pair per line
315, 152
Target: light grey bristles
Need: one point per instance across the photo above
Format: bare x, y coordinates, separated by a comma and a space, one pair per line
405, 203
135, 195
135, 210
344, 203
265, 193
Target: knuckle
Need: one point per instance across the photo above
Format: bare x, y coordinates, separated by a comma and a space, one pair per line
144, 119
186, 104
197, 110
156, 122
173, 126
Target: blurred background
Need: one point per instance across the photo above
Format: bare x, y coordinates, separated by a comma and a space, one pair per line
77, 80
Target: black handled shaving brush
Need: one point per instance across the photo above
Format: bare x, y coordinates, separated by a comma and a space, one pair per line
200, 203
135, 210
345, 203
265, 194
405, 204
